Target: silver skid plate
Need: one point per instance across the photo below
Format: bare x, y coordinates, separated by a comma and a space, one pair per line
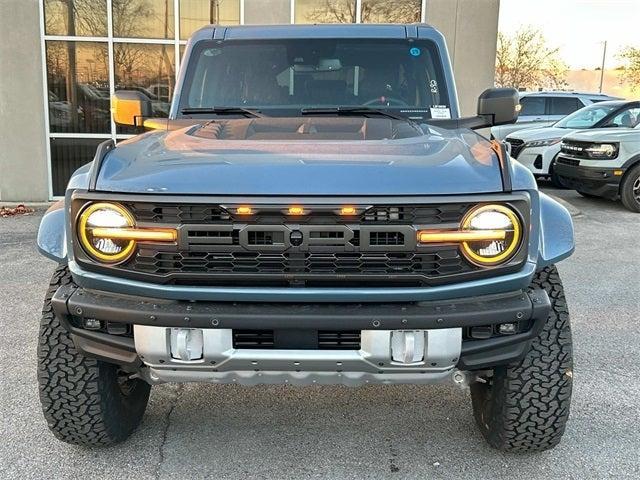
385, 356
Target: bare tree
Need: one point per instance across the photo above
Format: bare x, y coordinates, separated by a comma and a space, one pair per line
524, 60
631, 71
391, 11
388, 11
334, 11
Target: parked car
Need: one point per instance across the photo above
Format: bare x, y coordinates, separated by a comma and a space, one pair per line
537, 148
306, 228
603, 163
541, 109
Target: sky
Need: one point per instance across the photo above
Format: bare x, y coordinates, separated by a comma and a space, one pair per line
578, 27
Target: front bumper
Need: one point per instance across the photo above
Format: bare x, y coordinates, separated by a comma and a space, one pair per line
538, 159
446, 326
598, 181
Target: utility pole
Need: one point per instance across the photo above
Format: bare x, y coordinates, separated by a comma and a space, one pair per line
604, 59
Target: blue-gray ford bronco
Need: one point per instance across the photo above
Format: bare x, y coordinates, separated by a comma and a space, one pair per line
313, 211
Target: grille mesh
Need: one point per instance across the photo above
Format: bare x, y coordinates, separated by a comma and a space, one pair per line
445, 261
203, 214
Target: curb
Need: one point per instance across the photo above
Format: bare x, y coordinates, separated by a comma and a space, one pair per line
573, 210
34, 205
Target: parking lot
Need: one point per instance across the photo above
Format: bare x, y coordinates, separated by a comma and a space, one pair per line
208, 431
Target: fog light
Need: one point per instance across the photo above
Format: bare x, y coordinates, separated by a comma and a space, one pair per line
186, 344
508, 328
407, 346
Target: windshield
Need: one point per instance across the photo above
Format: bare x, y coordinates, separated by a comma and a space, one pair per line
282, 77
586, 117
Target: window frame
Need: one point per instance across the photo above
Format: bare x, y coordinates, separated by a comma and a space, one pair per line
175, 41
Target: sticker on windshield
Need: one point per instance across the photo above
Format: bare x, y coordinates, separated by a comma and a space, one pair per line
415, 51
440, 112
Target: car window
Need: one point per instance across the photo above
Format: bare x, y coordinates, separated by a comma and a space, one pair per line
564, 105
291, 74
586, 117
532, 106
628, 118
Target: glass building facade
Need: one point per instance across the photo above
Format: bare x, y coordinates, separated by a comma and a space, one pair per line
93, 48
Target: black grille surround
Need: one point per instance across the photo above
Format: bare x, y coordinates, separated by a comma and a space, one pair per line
516, 146
568, 161
375, 247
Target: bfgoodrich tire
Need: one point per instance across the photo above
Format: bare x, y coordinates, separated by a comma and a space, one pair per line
630, 189
85, 401
525, 407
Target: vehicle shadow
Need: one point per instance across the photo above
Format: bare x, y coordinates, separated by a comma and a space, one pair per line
223, 431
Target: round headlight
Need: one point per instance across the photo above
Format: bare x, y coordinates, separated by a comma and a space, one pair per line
492, 218
105, 215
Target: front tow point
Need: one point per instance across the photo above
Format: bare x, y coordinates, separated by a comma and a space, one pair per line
187, 344
407, 346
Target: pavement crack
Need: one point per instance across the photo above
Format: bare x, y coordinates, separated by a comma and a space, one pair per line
393, 454
165, 428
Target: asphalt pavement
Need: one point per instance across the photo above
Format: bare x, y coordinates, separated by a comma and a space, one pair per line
234, 432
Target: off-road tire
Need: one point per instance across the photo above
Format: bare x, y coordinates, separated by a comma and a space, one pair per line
85, 401
630, 188
525, 407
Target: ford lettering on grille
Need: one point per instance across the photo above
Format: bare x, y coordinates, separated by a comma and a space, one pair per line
299, 238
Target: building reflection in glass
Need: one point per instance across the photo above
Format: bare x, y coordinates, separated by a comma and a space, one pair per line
78, 87
143, 18
82, 18
390, 11
325, 11
195, 14
148, 69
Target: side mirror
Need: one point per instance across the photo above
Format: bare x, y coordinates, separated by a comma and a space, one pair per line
496, 106
130, 107
499, 105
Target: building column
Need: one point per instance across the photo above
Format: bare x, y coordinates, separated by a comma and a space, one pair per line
470, 28
23, 159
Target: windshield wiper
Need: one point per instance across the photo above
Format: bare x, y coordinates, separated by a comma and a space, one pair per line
359, 111
247, 112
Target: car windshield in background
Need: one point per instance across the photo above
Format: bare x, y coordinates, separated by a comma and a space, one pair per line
586, 117
282, 77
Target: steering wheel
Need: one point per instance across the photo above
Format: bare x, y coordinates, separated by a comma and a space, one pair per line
386, 101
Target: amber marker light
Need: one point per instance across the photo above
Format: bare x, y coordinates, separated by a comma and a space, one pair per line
244, 210
348, 211
296, 211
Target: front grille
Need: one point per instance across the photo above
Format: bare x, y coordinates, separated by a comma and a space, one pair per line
307, 340
440, 261
576, 149
253, 339
516, 146
376, 246
339, 340
568, 161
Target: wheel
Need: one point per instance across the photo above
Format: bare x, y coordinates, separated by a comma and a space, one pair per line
556, 181
524, 407
587, 195
630, 189
85, 401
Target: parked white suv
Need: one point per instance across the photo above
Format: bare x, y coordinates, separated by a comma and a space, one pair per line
603, 163
537, 148
541, 109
